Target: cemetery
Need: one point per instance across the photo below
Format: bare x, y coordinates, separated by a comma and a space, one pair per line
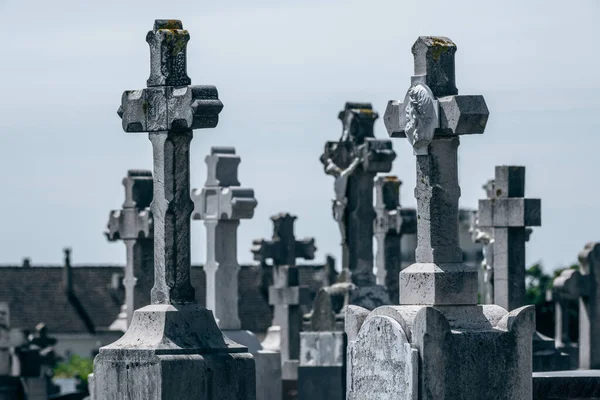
423, 297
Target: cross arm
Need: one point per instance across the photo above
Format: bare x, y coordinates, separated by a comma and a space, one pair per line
129, 224
305, 248
166, 108
510, 212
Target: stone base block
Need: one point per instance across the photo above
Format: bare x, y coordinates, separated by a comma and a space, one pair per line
322, 383
563, 385
173, 353
268, 375
442, 352
438, 284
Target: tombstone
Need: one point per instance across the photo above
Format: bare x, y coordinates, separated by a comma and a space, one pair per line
565, 294
582, 285
438, 344
285, 294
173, 348
222, 203
322, 367
389, 228
508, 213
133, 225
354, 161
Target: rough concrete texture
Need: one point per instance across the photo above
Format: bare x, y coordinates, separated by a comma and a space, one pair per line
460, 351
133, 225
566, 385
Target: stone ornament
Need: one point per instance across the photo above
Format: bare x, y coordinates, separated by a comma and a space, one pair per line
420, 117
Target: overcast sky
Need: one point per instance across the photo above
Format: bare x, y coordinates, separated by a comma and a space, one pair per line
284, 69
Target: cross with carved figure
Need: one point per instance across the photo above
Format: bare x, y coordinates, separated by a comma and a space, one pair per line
432, 117
133, 225
222, 204
169, 109
353, 161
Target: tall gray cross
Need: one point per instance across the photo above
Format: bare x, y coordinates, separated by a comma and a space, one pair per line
509, 214
169, 109
391, 223
133, 225
286, 295
354, 161
432, 117
221, 204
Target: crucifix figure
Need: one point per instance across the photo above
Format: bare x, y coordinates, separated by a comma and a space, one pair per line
133, 225
353, 161
173, 348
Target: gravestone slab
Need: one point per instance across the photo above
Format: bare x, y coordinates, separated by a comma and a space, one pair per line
173, 348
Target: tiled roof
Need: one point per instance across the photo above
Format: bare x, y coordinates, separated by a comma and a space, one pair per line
36, 294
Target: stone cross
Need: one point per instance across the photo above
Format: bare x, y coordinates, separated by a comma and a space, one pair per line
582, 285
438, 343
509, 214
432, 117
221, 204
354, 161
173, 348
286, 294
389, 227
133, 225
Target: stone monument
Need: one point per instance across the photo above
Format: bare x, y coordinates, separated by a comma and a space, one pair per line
583, 285
133, 225
509, 214
173, 348
389, 228
222, 203
438, 344
353, 161
286, 294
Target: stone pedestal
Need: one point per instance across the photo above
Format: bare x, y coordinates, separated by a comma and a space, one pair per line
170, 353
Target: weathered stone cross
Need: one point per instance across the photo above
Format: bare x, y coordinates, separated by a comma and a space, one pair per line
509, 214
173, 347
286, 294
389, 228
354, 161
221, 204
432, 117
133, 225
169, 109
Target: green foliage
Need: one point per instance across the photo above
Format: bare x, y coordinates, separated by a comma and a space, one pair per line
539, 283
76, 366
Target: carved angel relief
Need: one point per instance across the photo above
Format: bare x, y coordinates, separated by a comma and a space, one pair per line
420, 117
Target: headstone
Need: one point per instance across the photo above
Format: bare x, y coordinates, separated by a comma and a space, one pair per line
133, 225
565, 294
354, 161
391, 223
222, 203
582, 284
286, 294
438, 344
509, 214
173, 348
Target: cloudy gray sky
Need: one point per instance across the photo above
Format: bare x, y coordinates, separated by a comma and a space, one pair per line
284, 69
